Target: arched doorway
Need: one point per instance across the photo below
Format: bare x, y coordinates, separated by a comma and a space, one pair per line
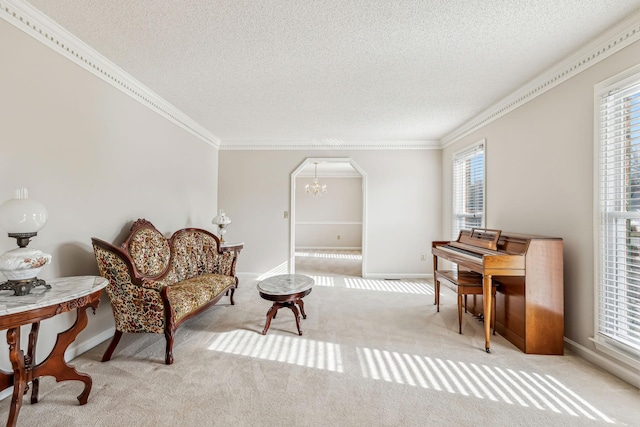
327, 166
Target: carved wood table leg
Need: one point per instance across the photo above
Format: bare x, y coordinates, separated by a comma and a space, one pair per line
31, 360
301, 305
296, 313
270, 315
54, 365
16, 356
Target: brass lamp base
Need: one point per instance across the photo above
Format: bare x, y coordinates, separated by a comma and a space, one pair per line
222, 231
24, 286
23, 239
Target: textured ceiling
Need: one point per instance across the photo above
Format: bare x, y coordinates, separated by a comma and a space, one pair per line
335, 70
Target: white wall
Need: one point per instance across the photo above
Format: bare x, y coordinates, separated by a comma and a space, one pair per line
98, 160
540, 181
403, 206
333, 220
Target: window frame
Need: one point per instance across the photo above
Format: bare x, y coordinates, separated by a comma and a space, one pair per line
614, 348
461, 155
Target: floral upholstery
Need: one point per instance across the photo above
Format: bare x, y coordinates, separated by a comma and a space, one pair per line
155, 283
197, 253
189, 294
149, 250
135, 308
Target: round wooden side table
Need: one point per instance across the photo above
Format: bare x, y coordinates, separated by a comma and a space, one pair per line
285, 290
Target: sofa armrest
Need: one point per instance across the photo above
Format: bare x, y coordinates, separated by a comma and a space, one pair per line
226, 264
137, 306
232, 250
156, 285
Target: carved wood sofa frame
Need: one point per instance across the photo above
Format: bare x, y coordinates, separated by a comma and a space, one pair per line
156, 284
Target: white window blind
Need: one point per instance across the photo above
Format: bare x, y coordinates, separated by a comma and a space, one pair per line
468, 188
618, 204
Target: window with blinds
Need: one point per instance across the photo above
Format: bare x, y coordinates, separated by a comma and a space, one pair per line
617, 139
468, 188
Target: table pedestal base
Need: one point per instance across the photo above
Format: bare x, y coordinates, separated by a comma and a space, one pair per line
271, 314
285, 290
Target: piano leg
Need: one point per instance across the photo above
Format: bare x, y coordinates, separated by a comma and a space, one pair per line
436, 293
486, 299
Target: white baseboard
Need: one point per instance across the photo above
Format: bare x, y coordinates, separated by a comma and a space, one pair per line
374, 276
396, 276
329, 248
77, 348
611, 366
6, 393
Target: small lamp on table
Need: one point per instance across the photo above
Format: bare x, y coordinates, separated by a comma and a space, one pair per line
221, 220
22, 218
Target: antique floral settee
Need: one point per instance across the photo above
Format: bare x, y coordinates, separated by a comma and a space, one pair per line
155, 283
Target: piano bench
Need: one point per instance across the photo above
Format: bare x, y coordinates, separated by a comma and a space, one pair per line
464, 283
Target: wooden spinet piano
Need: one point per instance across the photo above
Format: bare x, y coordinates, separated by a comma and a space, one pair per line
529, 273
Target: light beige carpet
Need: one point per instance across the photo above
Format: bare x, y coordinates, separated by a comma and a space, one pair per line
373, 353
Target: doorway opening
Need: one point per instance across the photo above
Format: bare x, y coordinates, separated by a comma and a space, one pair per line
330, 229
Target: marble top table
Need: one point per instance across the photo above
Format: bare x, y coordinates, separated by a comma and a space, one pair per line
66, 294
62, 289
285, 290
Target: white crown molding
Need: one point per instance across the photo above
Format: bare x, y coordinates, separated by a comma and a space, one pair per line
327, 145
33, 22
612, 41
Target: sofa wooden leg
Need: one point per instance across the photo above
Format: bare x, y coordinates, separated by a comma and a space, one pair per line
168, 359
233, 290
114, 343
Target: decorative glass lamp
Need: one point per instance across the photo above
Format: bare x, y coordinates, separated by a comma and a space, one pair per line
221, 220
22, 218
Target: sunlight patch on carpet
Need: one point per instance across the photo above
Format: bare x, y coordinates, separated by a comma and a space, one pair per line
399, 286
332, 255
526, 389
293, 350
326, 281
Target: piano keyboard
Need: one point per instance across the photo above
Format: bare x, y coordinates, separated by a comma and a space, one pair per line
461, 252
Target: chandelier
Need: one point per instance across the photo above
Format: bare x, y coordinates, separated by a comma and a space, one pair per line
314, 189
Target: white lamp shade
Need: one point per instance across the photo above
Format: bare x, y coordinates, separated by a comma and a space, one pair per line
221, 219
22, 215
